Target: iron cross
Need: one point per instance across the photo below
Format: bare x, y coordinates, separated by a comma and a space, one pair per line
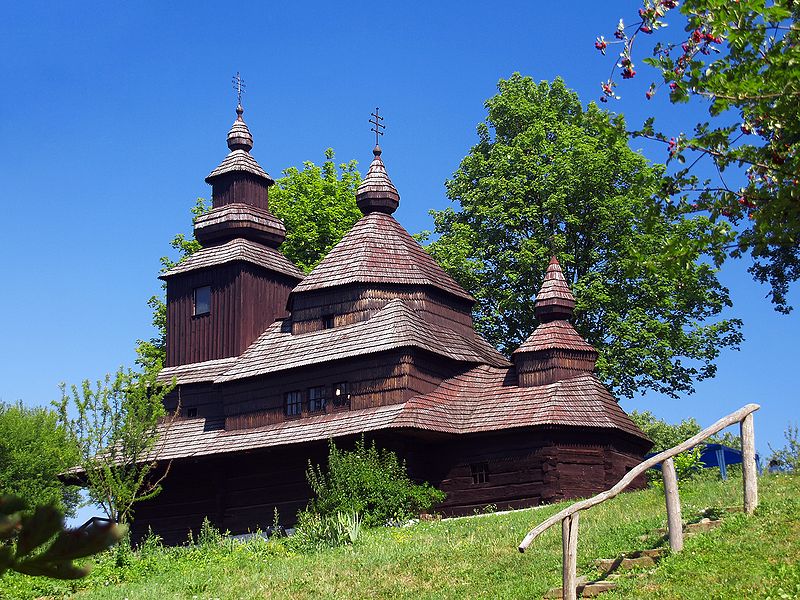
238, 85
377, 125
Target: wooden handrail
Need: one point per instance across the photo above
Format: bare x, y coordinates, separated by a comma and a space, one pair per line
750, 498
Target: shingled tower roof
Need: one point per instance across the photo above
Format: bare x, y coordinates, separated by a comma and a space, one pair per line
554, 351
378, 249
239, 196
377, 192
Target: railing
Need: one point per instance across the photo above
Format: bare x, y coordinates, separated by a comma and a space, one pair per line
569, 516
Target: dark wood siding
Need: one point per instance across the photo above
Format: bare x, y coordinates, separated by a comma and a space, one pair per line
239, 187
239, 492
245, 299
358, 302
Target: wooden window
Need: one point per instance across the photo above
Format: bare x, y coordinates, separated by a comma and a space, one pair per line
294, 403
480, 473
191, 412
341, 395
202, 300
327, 321
316, 399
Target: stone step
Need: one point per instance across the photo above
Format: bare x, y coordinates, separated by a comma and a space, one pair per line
585, 590
700, 526
624, 564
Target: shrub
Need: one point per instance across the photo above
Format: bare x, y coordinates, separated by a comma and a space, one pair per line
788, 457
369, 482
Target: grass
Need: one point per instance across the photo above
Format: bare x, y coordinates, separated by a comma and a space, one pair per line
747, 557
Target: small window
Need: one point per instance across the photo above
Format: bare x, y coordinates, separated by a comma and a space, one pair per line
191, 412
316, 399
202, 300
341, 396
327, 321
294, 403
480, 473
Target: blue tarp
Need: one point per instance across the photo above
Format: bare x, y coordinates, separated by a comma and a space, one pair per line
717, 455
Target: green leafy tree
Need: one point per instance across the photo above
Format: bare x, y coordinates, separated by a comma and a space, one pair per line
741, 60
34, 449
788, 456
36, 542
548, 177
117, 428
369, 482
318, 206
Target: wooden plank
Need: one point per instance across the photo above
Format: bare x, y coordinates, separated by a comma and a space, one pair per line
750, 478
674, 521
569, 546
623, 483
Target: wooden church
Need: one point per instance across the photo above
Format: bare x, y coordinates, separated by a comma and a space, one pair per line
377, 340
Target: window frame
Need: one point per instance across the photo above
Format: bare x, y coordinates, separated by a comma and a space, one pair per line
479, 472
191, 412
342, 399
194, 301
296, 404
319, 402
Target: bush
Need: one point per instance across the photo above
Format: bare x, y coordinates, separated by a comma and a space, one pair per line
788, 457
369, 482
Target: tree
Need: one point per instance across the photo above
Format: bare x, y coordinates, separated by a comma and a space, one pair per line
742, 60
36, 543
34, 449
117, 428
548, 177
318, 206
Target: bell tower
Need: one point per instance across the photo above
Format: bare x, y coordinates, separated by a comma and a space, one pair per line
220, 299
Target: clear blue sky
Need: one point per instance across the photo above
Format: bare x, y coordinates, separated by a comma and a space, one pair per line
112, 115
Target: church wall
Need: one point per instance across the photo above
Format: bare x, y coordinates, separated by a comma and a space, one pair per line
372, 380
240, 187
358, 302
239, 492
244, 301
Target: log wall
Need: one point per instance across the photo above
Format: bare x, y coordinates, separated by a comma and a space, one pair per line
245, 299
358, 302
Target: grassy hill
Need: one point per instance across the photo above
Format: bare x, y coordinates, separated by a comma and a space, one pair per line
746, 557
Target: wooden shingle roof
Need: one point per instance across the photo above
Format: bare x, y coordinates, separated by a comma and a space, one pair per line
237, 250
240, 142
394, 326
379, 250
482, 400
555, 334
196, 372
555, 299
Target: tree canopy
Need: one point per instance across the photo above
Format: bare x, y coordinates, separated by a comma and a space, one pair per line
34, 449
548, 177
741, 60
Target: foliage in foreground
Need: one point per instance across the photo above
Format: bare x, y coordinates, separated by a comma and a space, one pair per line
35, 543
550, 177
117, 426
34, 449
471, 558
741, 60
370, 482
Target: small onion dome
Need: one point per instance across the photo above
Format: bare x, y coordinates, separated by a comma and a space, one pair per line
376, 192
555, 300
239, 137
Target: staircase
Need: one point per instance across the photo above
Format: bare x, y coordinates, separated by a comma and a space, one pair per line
572, 585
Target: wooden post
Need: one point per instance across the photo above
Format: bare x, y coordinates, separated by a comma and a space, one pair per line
569, 542
749, 464
674, 522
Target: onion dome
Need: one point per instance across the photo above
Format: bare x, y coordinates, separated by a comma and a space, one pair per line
555, 300
377, 192
239, 137
555, 351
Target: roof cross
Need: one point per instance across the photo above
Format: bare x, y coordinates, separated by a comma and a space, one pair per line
377, 125
238, 85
